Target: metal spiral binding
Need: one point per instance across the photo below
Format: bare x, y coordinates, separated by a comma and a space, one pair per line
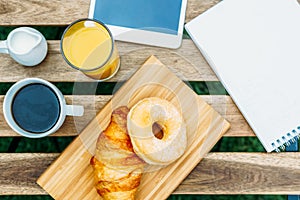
286, 140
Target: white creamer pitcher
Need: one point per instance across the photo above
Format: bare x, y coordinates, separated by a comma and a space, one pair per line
25, 45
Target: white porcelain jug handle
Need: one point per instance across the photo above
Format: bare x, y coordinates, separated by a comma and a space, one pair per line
3, 47
74, 110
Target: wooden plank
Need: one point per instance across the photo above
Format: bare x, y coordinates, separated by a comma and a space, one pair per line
19, 172
63, 12
245, 173
92, 104
197, 7
227, 108
217, 173
39, 12
186, 62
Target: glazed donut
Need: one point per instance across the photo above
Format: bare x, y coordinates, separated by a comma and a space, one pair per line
140, 122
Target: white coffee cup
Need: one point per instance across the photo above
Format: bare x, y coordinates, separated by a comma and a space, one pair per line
71, 110
25, 45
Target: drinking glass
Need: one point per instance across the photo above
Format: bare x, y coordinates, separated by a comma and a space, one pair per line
88, 46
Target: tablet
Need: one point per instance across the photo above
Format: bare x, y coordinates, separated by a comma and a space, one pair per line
151, 22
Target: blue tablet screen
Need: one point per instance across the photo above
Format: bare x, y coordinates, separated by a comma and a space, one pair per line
155, 15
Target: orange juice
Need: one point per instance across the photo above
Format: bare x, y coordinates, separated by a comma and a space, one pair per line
88, 46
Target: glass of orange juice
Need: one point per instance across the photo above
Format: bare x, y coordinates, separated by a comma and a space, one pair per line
87, 45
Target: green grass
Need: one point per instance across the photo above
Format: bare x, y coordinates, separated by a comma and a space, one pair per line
58, 144
50, 32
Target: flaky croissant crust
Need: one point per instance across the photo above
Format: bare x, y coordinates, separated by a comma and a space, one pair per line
117, 168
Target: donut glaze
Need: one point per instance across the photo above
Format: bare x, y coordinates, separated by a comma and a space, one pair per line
151, 149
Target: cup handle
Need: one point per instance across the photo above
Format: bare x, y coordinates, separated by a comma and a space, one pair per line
74, 110
3, 47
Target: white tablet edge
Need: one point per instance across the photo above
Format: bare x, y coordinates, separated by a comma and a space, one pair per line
147, 37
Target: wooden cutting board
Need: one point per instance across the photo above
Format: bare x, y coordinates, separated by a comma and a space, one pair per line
71, 176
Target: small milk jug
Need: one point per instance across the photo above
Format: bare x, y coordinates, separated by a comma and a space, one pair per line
25, 45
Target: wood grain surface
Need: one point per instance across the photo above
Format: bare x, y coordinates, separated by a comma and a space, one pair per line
93, 104
71, 175
63, 12
217, 173
245, 173
186, 62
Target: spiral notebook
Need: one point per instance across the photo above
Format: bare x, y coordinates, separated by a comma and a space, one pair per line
254, 48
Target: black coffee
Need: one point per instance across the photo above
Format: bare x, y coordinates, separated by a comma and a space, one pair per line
36, 108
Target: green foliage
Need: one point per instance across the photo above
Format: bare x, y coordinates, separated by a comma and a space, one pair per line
239, 144
49, 32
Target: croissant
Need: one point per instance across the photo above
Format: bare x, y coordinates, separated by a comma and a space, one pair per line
117, 169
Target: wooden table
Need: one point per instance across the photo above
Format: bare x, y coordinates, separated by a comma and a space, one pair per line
218, 173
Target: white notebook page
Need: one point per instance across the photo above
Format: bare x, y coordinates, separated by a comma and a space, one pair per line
254, 48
